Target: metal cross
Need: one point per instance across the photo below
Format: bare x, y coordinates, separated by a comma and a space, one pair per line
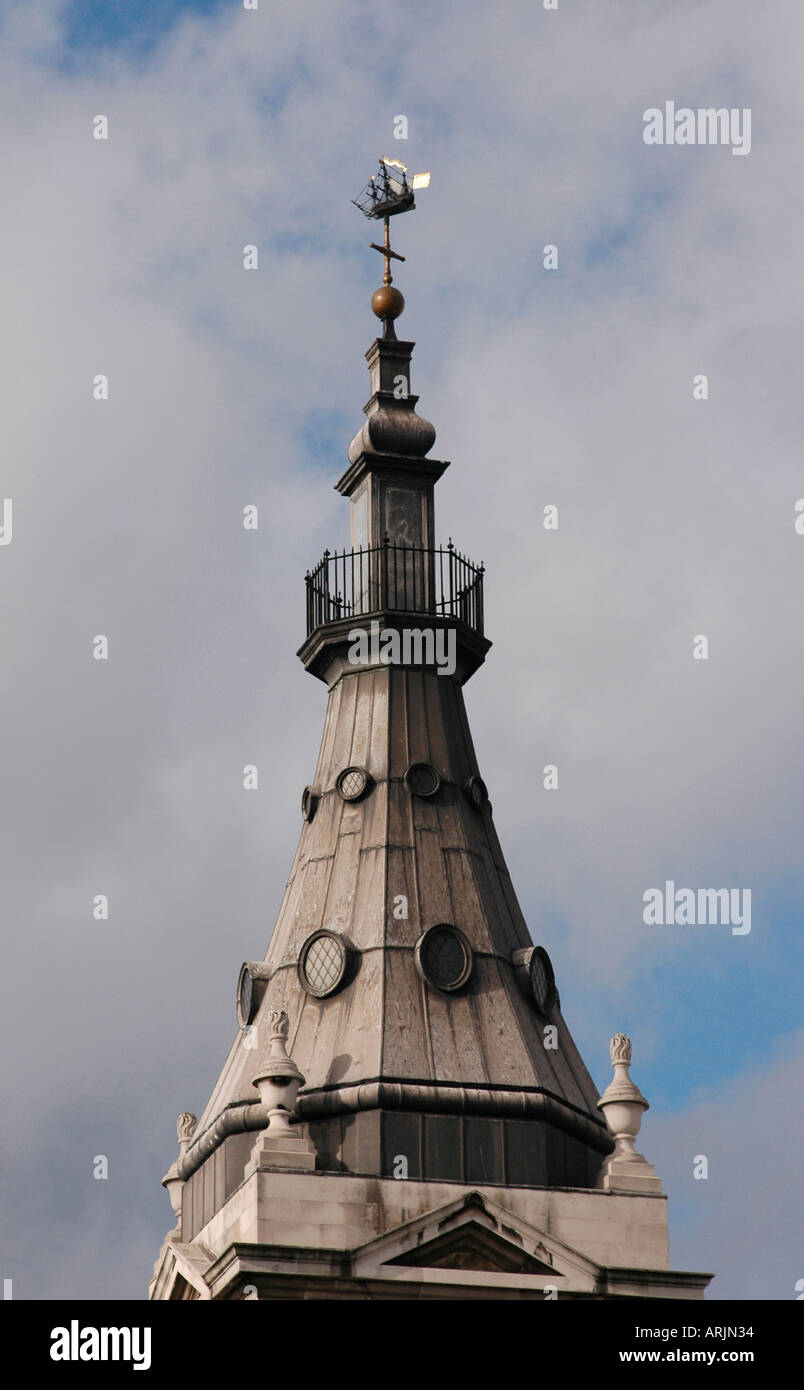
386, 251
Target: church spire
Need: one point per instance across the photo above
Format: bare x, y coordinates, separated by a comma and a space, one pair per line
425, 1019
404, 1024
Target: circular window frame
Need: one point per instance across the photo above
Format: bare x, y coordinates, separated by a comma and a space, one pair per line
476, 791
524, 962
540, 954
347, 953
347, 772
424, 767
309, 803
468, 958
259, 974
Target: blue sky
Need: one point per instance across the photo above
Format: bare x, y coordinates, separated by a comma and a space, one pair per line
573, 389
128, 26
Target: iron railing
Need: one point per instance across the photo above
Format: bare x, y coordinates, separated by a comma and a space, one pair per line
395, 577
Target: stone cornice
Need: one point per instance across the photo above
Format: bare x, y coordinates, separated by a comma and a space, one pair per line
328, 645
413, 470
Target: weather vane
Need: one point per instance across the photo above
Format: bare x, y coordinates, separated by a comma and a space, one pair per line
388, 192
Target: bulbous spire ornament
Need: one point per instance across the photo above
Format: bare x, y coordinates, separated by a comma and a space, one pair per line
391, 425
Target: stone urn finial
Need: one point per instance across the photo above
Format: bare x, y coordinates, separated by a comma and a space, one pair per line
185, 1129
623, 1106
278, 1079
622, 1102
280, 1145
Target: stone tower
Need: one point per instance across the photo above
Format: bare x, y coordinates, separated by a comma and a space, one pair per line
404, 1113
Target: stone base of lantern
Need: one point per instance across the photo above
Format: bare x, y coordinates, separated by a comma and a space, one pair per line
282, 1147
629, 1174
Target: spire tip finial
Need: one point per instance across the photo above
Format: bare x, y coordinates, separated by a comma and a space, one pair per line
387, 302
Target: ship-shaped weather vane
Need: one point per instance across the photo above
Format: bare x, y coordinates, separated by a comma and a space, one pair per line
388, 192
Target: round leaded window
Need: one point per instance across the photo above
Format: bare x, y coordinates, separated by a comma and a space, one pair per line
444, 957
352, 783
322, 963
245, 995
251, 984
309, 802
542, 980
476, 791
422, 779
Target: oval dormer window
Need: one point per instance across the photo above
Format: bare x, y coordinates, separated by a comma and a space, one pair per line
323, 960
444, 957
352, 783
422, 780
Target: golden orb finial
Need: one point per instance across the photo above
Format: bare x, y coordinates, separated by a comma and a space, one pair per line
387, 302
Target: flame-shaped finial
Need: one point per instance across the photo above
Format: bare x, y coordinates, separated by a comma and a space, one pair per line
185, 1127
278, 1022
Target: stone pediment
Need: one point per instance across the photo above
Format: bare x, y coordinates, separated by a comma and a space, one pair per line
470, 1245
473, 1234
179, 1272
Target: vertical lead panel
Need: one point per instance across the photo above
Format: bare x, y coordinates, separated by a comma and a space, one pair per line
442, 1148
361, 1141
401, 1138
525, 1153
327, 1137
483, 1149
556, 1157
